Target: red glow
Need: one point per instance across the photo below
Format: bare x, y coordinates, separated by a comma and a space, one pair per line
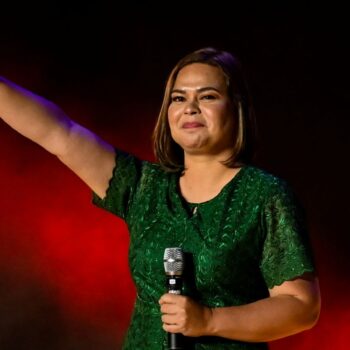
50, 231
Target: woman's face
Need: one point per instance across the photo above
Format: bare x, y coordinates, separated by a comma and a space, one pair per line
200, 113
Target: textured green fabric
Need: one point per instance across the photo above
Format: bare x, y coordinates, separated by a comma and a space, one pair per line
249, 238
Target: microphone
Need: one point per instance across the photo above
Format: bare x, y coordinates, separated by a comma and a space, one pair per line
173, 266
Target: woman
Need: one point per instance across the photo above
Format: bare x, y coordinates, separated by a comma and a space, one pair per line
249, 276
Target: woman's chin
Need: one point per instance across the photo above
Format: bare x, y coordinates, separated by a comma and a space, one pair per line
194, 149
192, 143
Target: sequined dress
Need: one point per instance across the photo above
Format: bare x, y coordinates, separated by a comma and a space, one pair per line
249, 238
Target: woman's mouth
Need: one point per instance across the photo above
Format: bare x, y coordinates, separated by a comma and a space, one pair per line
191, 125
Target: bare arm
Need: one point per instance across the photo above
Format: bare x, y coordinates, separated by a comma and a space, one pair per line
46, 124
292, 307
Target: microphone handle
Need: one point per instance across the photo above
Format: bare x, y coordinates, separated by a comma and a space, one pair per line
174, 284
176, 341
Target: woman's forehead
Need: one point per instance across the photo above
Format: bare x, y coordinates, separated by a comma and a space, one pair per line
199, 75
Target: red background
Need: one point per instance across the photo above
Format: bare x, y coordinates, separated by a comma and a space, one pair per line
64, 278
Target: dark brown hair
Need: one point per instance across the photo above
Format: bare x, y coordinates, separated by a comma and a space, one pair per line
169, 154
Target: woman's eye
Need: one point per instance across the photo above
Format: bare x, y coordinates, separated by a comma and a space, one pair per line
177, 99
208, 97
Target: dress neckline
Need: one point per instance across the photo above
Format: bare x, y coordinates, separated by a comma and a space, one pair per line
190, 207
222, 191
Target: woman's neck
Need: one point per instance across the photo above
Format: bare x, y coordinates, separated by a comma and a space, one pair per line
204, 177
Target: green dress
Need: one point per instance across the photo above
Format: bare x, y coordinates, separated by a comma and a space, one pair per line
249, 238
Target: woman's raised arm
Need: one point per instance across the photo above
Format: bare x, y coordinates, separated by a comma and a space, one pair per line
45, 123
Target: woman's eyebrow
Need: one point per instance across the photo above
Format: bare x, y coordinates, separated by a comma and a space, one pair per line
202, 89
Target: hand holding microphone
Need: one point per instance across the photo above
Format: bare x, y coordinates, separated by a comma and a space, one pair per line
181, 315
173, 266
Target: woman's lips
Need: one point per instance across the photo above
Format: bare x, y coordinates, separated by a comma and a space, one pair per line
191, 125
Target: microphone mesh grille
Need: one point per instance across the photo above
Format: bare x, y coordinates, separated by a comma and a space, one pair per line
173, 261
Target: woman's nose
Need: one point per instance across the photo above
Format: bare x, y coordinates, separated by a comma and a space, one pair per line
192, 107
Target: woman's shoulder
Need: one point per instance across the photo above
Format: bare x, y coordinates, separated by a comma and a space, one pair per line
153, 170
145, 166
265, 181
150, 173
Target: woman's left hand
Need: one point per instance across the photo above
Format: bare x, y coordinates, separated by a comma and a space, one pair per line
181, 314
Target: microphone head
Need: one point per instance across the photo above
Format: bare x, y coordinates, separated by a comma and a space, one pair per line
173, 261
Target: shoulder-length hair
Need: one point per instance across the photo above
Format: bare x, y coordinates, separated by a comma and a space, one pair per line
168, 153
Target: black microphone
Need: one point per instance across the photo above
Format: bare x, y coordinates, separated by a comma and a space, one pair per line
173, 266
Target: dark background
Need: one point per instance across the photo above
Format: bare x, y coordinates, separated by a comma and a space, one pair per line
64, 280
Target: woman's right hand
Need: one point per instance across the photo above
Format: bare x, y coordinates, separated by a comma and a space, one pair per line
45, 123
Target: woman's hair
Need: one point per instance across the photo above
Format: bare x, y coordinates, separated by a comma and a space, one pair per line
169, 154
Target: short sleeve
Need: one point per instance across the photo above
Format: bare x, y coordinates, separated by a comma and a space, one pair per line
286, 248
122, 185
